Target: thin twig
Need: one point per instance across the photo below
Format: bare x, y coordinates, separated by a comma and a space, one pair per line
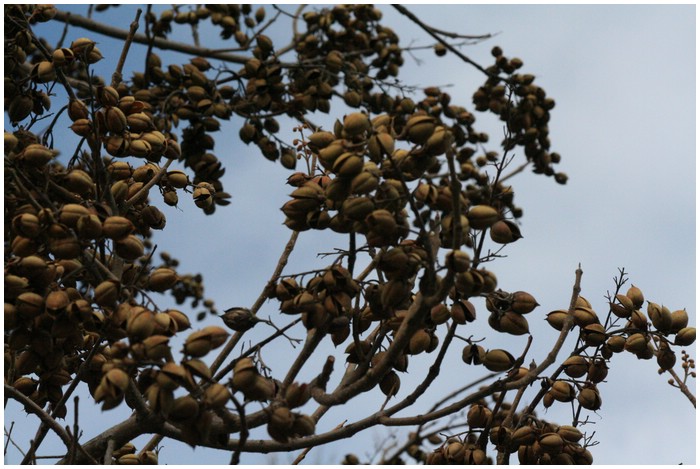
117, 75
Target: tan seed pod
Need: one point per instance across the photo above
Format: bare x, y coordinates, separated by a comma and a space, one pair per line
303, 425
419, 128
660, 317
177, 178
27, 225
679, 320
562, 391
584, 316
57, 301
185, 408
636, 343
551, 443
216, 396
589, 398
498, 360
116, 227
523, 302
419, 342
162, 279
390, 384
37, 155
479, 416
473, 354
89, 227
482, 216
616, 343
29, 305
129, 248
685, 336
355, 124
64, 248
504, 232
525, 435
575, 366
594, 335
636, 295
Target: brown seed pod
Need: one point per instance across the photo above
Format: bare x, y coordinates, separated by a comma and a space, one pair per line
523, 302
679, 320
419, 342
390, 384
575, 366
685, 336
504, 232
355, 124
419, 128
482, 216
589, 398
216, 396
636, 295
162, 279
479, 416
498, 360
562, 391
594, 335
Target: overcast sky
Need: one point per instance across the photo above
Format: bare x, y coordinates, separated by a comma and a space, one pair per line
623, 78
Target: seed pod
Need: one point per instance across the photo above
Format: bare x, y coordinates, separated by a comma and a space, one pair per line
419, 342
64, 248
584, 316
348, 165
594, 335
140, 324
129, 248
116, 227
216, 396
27, 225
419, 128
556, 318
616, 343
625, 301
575, 366
510, 323
563, 391
504, 232
498, 360
482, 216
473, 354
636, 343
390, 384
686, 336
479, 416
297, 394
303, 425
660, 317
162, 279
551, 443
37, 155
589, 398
636, 295
457, 261
184, 409
355, 124
57, 301
71, 213
525, 435
29, 305
523, 302
679, 320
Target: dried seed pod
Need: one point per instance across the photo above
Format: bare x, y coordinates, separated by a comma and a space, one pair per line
575, 366
390, 384
29, 305
184, 409
303, 425
129, 248
479, 416
556, 318
523, 302
457, 261
162, 279
660, 317
355, 124
679, 320
525, 435
419, 128
419, 342
504, 232
636, 343
616, 343
116, 227
589, 398
686, 336
482, 216
584, 316
216, 396
562, 391
498, 360
551, 443
636, 296
594, 335
473, 354
598, 371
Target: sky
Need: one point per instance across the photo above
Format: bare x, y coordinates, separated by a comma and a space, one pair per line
623, 78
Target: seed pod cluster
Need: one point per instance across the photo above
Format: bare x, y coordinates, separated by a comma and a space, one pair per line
508, 310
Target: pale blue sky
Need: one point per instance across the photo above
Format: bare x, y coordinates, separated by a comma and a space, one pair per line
623, 78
